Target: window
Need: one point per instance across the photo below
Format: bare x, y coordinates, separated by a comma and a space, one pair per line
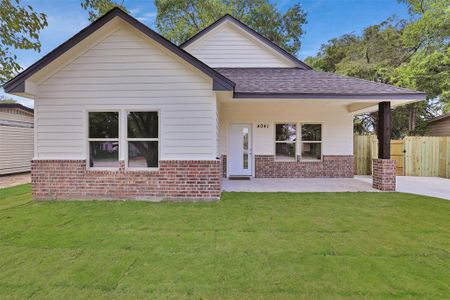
103, 139
311, 141
142, 139
245, 148
285, 142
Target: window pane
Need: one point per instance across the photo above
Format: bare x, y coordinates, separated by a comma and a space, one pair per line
104, 154
245, 148
143, 125
311, 132
285, 151
285, 132
103, 124
142, 154
312, 151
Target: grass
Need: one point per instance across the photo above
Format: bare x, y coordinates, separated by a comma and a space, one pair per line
247, 246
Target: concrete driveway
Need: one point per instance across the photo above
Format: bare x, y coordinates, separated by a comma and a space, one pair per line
426, 186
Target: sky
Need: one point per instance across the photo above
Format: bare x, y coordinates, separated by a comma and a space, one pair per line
326, 19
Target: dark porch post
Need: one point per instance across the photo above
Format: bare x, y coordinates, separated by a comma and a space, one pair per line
383, 168
384, 130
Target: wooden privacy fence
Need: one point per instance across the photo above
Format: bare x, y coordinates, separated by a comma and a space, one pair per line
414, 155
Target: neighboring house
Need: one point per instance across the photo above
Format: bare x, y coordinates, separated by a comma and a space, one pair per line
16, 138
124, 113
439, 126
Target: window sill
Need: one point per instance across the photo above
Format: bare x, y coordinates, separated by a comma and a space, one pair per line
310, 160
285, 160
142, 169
102, 169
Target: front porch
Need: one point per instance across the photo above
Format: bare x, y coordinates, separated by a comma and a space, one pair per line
356, 184
299, 139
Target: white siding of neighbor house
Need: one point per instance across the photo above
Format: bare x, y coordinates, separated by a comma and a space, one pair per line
16, 117
337, 124
227, 46
127, 71
16, 143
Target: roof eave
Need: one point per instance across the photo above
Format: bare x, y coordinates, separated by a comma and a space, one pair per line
440, 118
17, 106
373, 96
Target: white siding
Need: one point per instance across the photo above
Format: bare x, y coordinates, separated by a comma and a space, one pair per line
127, 71
228, 46
337, 124
16, 149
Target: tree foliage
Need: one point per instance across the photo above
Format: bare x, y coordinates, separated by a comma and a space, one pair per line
19, 29
180, 20
97, 8
410, 53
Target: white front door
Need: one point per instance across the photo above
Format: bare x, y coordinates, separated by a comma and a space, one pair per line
240, 150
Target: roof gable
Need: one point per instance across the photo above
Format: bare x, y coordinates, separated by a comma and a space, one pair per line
230, 37
17, 84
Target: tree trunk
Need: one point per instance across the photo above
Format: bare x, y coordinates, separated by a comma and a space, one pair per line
412, 119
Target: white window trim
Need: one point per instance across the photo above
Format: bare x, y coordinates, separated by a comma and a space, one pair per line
311, 142
127, 139
285, 142
88, 139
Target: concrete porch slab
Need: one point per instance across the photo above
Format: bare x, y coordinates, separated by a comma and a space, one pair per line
298, 185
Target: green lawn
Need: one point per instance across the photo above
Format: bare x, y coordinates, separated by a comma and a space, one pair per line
247, 246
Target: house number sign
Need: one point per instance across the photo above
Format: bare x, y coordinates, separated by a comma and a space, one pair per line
262, 125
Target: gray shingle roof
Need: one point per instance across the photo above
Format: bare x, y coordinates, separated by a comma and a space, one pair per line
308, 83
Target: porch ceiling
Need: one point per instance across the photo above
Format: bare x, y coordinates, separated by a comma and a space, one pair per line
353, 106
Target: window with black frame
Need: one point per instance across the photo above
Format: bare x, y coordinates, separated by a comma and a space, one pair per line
143, 139
103, 139
311, 142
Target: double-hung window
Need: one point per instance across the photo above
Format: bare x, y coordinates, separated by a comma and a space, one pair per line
103, 139
285, 141
311, 142
142, 139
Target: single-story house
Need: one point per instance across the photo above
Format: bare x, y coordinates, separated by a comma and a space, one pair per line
439, 126
123, 113
16, 138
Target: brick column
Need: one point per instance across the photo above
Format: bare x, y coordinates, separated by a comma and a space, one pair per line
383, 174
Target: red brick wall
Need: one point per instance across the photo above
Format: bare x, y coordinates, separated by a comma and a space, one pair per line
331, 166
69, 179
383, 174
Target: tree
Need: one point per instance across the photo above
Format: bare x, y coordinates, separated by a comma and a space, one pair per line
180, 20
413, 54
431, 28
19, 29
97, 8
